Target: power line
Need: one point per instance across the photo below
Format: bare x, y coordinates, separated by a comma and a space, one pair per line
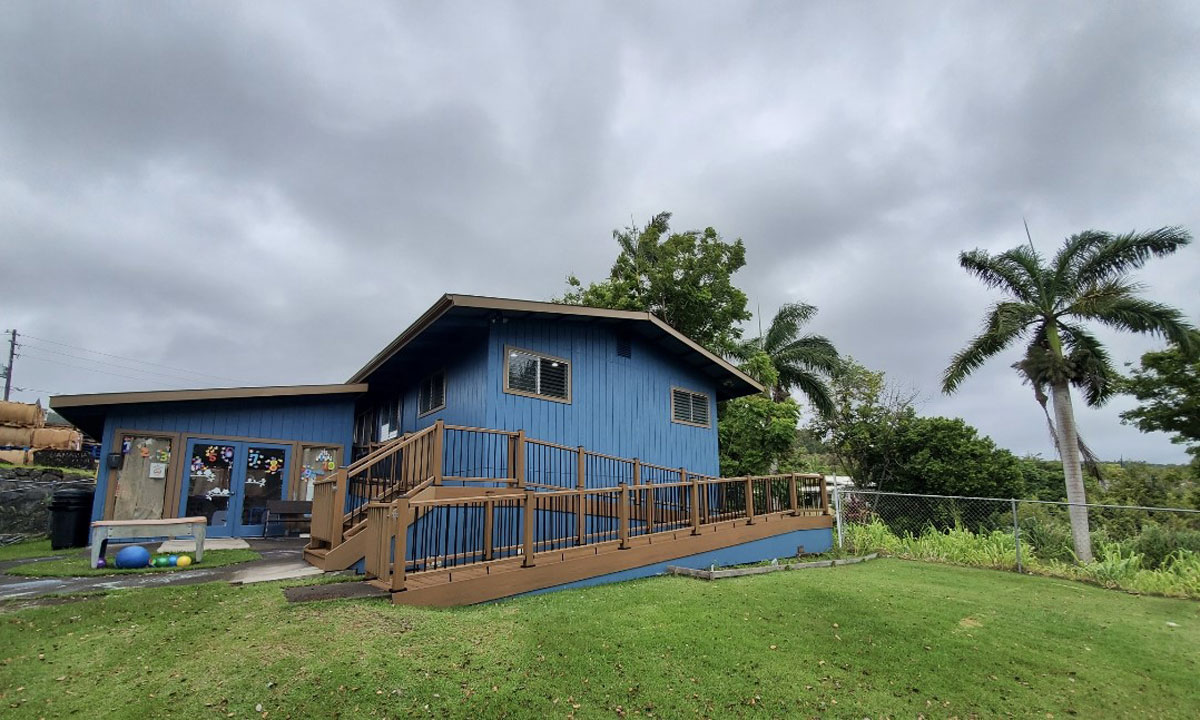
28, 347
88, 369
121, 357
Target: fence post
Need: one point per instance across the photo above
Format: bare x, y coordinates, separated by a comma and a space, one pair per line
1016, 534
339, 509
837, 509
580, 508
695, 499
530, 519
792, 494
623, 517
400, 556
749, 501
439, 445
489, 511
519, 458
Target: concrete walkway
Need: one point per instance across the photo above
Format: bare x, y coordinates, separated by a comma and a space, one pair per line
278, 556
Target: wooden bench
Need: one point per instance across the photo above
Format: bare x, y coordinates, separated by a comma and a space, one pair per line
288, 513
105, 530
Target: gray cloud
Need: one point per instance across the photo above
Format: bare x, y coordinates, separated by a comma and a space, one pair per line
271, 192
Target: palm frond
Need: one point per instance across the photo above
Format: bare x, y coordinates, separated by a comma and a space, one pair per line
786, 324
814, 352
817, 392
1005, 323
999, 273
1134, 314
1091, 367
1074, 251
1086, 301
1118, 254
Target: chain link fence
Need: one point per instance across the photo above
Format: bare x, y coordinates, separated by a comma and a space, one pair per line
1015, 534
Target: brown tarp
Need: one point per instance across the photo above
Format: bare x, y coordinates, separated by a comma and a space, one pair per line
23, 414
15, 457
19, 436
56, 438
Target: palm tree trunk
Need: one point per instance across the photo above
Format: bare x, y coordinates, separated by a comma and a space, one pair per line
1068, 450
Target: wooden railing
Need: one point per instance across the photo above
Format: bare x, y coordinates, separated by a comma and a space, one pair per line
450, 532
341, 501
533, 496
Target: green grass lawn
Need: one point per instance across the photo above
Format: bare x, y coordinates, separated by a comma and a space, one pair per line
79, 565
883, 638
30, 549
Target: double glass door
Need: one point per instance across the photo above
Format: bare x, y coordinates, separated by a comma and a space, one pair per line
230, 483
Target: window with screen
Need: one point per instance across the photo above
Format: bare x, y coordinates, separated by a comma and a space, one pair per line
431, 395
537, 375
689, 408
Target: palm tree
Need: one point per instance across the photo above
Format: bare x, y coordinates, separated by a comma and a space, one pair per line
802, 362
1050, 302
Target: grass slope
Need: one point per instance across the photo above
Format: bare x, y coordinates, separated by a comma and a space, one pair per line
30, 549
885, 638
80, 565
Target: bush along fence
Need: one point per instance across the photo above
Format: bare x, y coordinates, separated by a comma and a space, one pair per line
1138, 549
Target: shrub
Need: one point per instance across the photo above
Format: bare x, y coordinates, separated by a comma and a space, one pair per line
1156, 544
1119, 565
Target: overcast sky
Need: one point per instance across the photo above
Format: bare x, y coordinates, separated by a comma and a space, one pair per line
268, 193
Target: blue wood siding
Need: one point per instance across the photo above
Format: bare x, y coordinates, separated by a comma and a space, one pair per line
466, 379
619, 406
305, 419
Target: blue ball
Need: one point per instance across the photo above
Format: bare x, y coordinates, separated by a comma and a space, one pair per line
171, 560
133, 557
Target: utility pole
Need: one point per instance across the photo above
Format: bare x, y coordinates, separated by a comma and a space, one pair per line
12, 352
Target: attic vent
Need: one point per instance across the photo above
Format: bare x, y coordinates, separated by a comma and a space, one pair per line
689, 408
624, 346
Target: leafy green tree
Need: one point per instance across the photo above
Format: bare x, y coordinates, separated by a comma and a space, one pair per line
802, 362
1168, 385
1042, 479
1049, 302
685, 278
755, 432
946, 456
861, 431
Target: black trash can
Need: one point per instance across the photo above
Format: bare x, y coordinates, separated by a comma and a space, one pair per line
70, 517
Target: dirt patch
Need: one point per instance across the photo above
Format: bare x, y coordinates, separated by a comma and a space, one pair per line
969, 623
8, 606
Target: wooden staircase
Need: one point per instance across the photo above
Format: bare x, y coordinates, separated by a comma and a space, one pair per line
433, 524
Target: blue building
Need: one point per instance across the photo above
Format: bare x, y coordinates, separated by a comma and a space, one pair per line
619, 383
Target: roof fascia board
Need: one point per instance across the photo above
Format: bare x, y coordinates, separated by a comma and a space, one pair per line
721, 362
479, 302
152, 396
430, 316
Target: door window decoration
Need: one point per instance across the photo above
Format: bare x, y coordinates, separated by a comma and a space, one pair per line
316, 463
210, 472
264, 481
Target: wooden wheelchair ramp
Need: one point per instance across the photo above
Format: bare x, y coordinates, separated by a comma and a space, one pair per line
428, 532
482, 582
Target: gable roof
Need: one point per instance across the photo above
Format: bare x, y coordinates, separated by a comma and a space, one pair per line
730, 381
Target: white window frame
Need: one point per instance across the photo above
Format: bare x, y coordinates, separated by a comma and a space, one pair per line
429, 378
508, 352
707, 404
